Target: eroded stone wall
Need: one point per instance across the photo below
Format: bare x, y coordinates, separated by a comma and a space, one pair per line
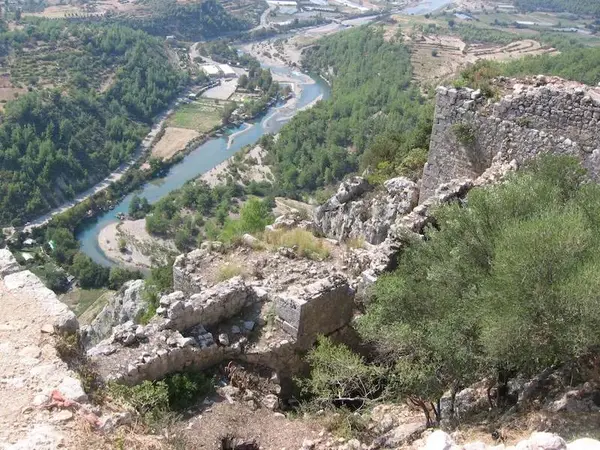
319, 308
535, 116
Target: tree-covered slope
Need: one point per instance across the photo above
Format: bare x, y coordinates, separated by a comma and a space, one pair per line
56, 142
191, 21
375, 115
572, 6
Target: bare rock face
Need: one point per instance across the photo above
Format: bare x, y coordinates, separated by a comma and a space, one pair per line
126, 305
33, 375
439, 440
8, 263
357, 211
27, 284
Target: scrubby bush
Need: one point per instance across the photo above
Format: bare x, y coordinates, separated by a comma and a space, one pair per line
505, 283
156, 400
254, 216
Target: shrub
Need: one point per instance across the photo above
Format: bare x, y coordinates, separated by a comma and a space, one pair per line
184, 389
465, 134
340, 377
303, 242
154, 400
508, 283
150, 399
254, 216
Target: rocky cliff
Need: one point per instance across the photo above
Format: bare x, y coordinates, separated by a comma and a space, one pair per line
533, 116
127, 305
359, 211
35, 383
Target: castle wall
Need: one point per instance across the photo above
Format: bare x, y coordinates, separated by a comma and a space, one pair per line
539, 116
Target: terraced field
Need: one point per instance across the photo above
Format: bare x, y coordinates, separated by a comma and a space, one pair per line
437, 58
53, 64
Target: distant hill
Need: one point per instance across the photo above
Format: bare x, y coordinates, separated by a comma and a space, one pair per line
591, 7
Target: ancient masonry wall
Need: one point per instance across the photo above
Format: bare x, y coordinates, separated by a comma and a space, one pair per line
539, 116
320, 308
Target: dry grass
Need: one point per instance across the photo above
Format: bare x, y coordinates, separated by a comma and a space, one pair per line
229, 270
134, 437
173, 141
358, 242
303, 242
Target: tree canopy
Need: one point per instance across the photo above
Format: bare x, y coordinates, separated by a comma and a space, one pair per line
508, 282
55, 143
375, 115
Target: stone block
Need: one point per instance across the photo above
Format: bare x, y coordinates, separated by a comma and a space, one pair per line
319, 308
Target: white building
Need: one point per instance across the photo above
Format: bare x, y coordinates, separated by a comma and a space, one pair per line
227, 71
211, 70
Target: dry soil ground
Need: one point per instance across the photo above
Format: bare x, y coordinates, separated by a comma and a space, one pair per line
173, 141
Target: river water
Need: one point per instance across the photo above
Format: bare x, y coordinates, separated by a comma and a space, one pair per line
202, 159
426, 7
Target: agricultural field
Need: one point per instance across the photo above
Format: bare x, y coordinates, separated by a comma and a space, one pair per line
437, 58
442, 44
81, 300
202, 115
8, 91
172, 142
245, 9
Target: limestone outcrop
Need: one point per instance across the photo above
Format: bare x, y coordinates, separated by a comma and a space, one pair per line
36, 383
534, 116
357, 210
127, 305
439, 440
8, 263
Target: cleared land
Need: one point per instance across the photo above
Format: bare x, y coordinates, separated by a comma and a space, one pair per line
81, 300
173, 141
49, 64
223, 91
7, 90
436, 58
202, 115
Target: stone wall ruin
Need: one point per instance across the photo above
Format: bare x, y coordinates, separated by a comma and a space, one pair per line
538, 115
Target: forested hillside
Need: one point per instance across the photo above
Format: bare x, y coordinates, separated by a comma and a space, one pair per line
572, 6
55, 142
192, 21
375, 118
